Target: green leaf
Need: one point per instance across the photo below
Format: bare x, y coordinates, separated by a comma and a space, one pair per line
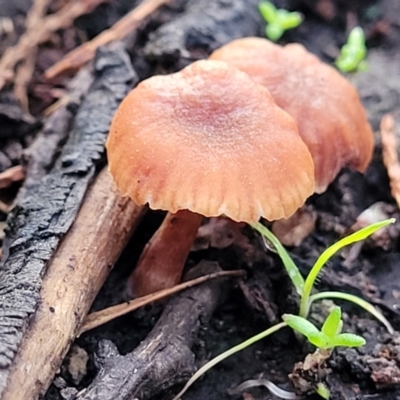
289, 20
356, 300
348, 340
356, 37
320, 340
352, 54
353, 238
323, 391
300, 324
278, 20
329, 252
268, 11
273, 32
291, 268
332, 324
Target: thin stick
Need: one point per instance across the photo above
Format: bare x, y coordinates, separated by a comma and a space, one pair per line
84, 53
50, 24
11, 175
98, 318
25, 69
390, 155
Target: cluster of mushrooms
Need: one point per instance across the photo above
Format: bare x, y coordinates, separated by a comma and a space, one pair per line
251, 132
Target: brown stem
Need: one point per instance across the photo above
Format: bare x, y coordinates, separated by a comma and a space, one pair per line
161, 263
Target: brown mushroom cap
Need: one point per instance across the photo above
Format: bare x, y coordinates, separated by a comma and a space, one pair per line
211, 140
327, 109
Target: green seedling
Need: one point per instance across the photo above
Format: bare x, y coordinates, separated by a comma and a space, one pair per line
329, 336
323, 391
278, 20
304, 286
352, 54
326, 339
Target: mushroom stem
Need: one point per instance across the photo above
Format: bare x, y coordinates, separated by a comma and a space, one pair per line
161, 264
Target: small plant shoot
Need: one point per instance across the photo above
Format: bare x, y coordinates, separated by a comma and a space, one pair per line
322, 391
329, 336
278, 20
304, 286
352, 54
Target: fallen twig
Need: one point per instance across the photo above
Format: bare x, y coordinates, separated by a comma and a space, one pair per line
5, 208
390, 154
101, 317
84, 53
26, 67
11, 175
42, 32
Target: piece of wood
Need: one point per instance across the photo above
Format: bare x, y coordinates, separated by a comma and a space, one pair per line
74, 277
25, 69
203, 27
101, 317
165, 357
45, 213
42, 153
390, 145
85, 52
11, 175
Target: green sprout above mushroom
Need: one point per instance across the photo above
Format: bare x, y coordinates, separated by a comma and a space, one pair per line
278, 20
352, 54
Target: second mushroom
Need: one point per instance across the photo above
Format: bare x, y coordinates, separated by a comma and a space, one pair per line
328, 112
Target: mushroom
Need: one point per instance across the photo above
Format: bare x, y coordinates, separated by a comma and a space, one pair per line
328, 112
205, 141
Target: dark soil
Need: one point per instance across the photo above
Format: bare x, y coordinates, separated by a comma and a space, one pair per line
249, 306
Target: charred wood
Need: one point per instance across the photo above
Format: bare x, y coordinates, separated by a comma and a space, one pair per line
41, 155
45, 214
203, 27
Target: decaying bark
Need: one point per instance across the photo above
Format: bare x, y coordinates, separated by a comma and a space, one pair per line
41, 154
205, 26
45, 214
74, 277
164, 358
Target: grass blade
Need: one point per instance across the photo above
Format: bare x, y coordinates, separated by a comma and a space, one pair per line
332, 250
227, 354
356, 300
291, 268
